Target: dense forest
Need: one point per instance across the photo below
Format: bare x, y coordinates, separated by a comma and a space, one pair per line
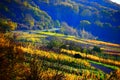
99, 18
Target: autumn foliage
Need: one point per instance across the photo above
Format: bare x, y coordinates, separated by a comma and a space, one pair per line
7, 25
11, 58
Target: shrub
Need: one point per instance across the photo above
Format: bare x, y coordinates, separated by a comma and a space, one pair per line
77, 56
55, 43
97, 49
7, 25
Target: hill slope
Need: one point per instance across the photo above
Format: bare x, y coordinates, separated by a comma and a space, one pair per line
100, 18
26, 14
102, 15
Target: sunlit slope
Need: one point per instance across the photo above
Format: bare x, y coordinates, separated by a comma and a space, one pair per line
39, 36
65, 63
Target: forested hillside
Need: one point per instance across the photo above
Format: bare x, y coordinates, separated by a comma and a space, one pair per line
99, 18
27, 14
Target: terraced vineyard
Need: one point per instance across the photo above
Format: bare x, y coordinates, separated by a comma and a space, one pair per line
109, 60
50, 55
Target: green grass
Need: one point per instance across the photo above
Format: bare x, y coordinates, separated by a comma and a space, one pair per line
51, 34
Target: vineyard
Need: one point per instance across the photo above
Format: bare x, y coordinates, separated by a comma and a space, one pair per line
58, 60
